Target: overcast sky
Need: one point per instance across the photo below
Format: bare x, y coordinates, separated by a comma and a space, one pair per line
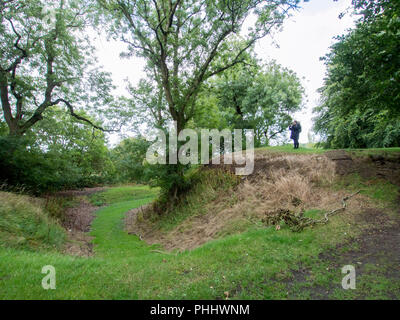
305, 37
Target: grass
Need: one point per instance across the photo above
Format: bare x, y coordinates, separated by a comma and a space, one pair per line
257, 264
25, 223
288, 148
381, 191
123, 193
124, 267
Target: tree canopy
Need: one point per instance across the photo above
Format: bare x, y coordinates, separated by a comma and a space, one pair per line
259, 97
47, 60
187, 42
361, 93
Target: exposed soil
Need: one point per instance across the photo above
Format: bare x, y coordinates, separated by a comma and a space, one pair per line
368, 167
279, 181
79, 244
379, 244
79, 217
77, 221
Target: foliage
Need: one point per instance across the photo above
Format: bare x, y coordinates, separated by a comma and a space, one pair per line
58, 153
148, 106
255, 97
187, 42
128, 158
361, 93
47, 60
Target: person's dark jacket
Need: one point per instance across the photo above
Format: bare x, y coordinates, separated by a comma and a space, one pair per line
295, 131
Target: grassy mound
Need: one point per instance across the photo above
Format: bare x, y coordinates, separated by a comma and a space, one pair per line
220, 203
208, 185
258, 263
24, 223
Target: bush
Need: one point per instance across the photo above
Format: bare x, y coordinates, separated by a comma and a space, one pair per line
25, 165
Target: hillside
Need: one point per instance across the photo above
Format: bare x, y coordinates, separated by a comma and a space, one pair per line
218, 243
221, 203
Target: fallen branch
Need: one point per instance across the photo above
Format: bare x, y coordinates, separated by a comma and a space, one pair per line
297, 222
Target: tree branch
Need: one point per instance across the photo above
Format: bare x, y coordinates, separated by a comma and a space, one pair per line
77, 116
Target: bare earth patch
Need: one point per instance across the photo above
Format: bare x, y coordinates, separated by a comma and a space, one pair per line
77, 222
280, 181
379, 243
371, 167
79, 244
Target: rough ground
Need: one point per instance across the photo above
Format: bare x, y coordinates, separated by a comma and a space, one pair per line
369, 167
77, 222
279, 180
377, 246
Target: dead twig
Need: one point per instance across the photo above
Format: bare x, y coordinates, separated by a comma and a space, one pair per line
297, 222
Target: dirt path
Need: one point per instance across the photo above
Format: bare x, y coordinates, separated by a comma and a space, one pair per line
78, 220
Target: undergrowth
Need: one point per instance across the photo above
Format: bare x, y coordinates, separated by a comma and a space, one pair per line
207, 186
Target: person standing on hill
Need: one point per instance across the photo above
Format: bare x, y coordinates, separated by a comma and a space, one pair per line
295, 129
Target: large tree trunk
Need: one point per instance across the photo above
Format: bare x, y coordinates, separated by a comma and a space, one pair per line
12, 122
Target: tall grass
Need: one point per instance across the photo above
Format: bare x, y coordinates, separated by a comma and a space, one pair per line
207, 186
24, 223
256, 264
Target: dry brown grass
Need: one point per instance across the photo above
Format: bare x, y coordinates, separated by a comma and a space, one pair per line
280, 181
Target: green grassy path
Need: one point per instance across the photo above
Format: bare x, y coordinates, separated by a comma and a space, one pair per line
257, 264
76, 277
110, 238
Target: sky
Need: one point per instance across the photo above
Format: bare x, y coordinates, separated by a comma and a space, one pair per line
306, 36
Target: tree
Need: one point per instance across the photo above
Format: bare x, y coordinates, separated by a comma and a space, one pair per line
186, 42
58, 152
361, 92
129, 159
260, 98
45, 61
